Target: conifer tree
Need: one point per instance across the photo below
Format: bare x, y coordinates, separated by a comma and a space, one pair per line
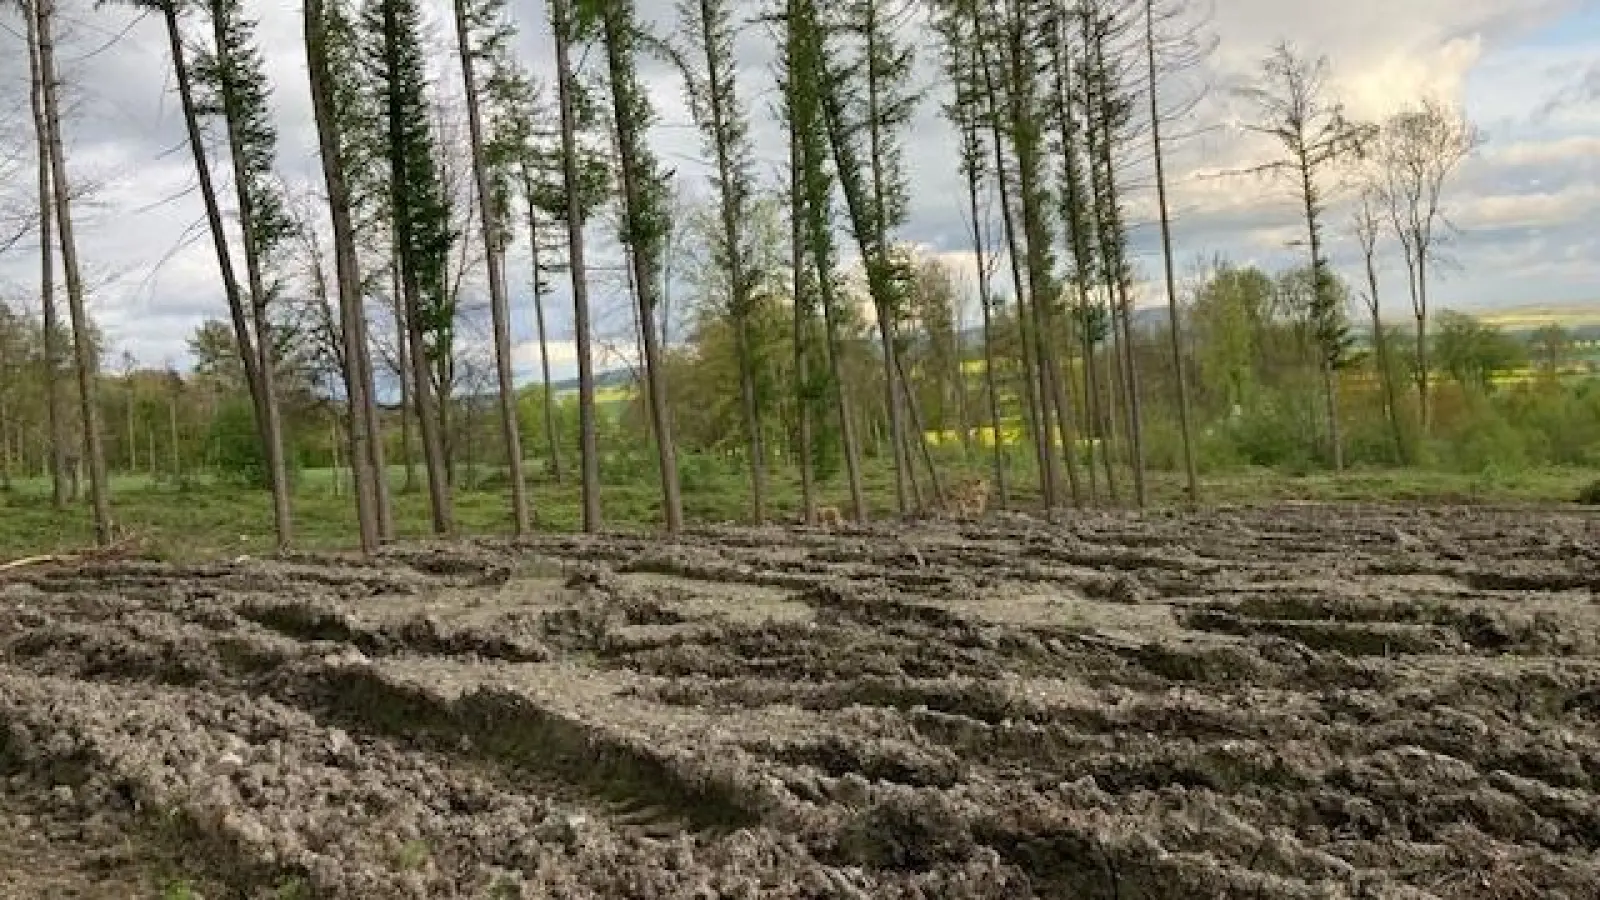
645, 223
715, 104
421, 224
483, 35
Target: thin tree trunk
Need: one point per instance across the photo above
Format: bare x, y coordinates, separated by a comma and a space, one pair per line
802, 327
1191, 471
1036, 428
177, 457
1380, 347
429, 409
986, 300
57, 440
88, 389
403, 373
377, 451
347, 268
499, 305
552, 442
872, 251
740, 287
1423, 400
914, 410
589, 452
1318, 287
617, 22
271, 422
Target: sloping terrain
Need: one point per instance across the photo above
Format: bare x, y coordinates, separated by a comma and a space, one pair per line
1298, 701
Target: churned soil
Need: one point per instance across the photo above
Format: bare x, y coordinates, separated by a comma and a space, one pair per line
1294, 701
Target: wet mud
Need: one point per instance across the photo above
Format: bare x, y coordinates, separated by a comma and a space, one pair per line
1298, 701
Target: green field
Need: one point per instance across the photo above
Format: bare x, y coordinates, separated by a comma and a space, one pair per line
209, 520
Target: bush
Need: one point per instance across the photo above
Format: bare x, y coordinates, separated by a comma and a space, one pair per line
241, 458
1590, 494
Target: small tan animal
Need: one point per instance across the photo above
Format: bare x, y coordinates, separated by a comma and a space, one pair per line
829, 517
969, 499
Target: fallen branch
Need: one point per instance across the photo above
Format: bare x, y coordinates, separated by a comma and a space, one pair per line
37, 561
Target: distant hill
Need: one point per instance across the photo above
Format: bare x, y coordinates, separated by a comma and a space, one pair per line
615, 378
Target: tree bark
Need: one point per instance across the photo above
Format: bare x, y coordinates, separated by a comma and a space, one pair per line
985, 300
589, 452
740, 288
83, 350
802, 326
429, 412
347, 269
403, 375
617, 21
47, 301
552, 442
270, 422
499, 305
1174, 321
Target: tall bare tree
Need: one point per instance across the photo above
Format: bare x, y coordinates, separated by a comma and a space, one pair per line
51, 337
1419, 151
1174, 320
1367, 232
84, 355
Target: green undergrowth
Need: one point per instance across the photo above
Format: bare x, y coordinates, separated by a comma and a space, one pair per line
216, 519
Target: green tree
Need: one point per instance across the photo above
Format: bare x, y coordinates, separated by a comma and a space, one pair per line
235, 74
645, 225
1294, 109
483, 37
1472, 351
422, 237
721, 117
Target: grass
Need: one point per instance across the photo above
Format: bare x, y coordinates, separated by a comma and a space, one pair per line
217, 520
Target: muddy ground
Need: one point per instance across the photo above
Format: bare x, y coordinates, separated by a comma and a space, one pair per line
1290, 702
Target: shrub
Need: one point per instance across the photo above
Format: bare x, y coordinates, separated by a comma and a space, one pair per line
1590, 494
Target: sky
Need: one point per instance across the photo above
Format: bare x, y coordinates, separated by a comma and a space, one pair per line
1527, 72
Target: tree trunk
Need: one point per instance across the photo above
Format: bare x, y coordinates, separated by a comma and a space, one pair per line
985, 299
752, 422
1380, 349
809, 122
914, 411
802, 326
347, 269
270, 422
552, 443
1424, 401
83, 350
429, 412
589, 451
499, 305
740, 288
869, 238
177, 457
1036, 428
57, 440
1319, 287
403, 375
377, 451
617, 21
1174, 322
